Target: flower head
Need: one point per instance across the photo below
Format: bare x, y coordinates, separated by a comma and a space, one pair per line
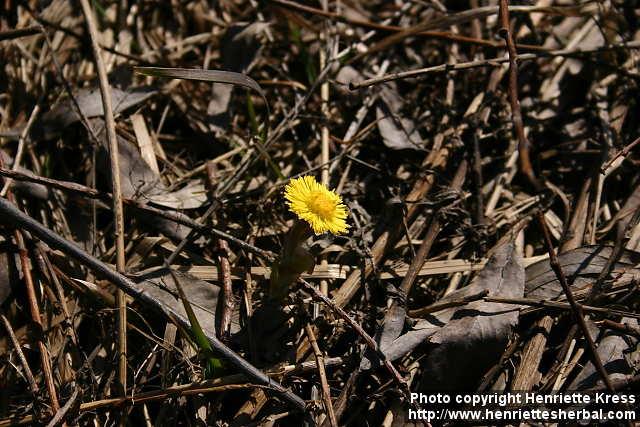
316, 204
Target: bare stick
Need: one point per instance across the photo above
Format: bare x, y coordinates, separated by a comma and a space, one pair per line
516, 113
11, 215
625, 328
118, 212
622, 153
23, 360
34, 308
326, 395
363, 334
227, 305
177, 217
443, 305
58, 418
490, 62
392, 28
527, 170
575, 307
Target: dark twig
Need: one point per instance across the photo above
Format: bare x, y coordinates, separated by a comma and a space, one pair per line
118, 212
23, 360
625, 328
612, 260
19, 32
523, 143
58, 418
622, 153
227, 290
326, 395
526, 169
443, 305
391, 28
489, 62
141, 398
177, 217
575, 307
18, 219
34, 308
559, 305
226, 307
356, 327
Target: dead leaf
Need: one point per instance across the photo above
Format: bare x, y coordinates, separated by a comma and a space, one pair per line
397, 132
90, 102
480, 329
216, 76
480, 326
203, 296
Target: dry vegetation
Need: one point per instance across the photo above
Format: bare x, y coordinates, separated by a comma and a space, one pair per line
494, 206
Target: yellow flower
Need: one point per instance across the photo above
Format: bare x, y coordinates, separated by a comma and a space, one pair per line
316, 204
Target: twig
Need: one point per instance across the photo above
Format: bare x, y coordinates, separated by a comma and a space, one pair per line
356, 327
323, 286
18, 219
516, 113
527, 170
23, 360
227, 305
614, 257
392, 28
19, 32
118, 212
82, 38
227, 290
326, 395
457, 18
176, 391
33, 304
575, 307
25, 265
532, 302
625, 328
58, 418
490, 62
24, 135
439, 306
622, 153
177, 217
478, 183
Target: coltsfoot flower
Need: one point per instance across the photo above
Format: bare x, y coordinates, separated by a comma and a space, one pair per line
314, 203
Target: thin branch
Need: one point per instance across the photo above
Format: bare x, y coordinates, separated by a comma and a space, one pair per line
18, 219
58, 418
326, 395
118, 212
490, 62
392, 28
177, 217
575, 307
23, 360
526, 169
356, 327
622, 153
516, 113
